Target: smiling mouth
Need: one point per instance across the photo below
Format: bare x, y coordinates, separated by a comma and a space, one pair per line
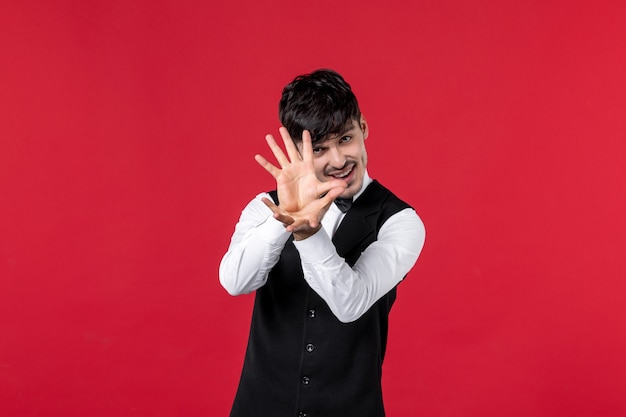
343, 173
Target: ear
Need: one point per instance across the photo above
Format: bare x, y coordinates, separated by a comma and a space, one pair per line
364, 127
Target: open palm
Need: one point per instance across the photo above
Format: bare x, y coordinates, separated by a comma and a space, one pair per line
303, 198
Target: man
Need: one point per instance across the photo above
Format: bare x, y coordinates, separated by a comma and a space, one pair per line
325, 277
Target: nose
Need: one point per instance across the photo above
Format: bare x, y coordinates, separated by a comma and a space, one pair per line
337, 158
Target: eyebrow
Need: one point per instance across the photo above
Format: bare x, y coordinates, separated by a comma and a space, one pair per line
341, 133
347, 128
329, 136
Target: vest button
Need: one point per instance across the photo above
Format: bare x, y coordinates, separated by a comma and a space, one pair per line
311, 313
310, 347
306, 380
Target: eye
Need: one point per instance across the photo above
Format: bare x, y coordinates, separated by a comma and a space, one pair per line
345, 139
317, 150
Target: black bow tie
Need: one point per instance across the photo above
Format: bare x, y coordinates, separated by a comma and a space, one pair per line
344, 204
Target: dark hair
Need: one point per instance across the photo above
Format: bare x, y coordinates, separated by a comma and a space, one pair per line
321, 102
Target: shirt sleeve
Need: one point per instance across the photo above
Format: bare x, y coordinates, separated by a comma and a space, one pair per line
350, 292
254, 249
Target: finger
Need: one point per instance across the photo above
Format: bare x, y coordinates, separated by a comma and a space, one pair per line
307, 147
326, 186
292, 150
279, 214
270, 204
299, 225
274, 171
331, 195
284, 219
278, 153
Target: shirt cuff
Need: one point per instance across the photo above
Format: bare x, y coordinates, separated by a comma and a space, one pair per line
316, 248
272, 232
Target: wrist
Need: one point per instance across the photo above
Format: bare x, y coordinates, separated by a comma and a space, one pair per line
305, 234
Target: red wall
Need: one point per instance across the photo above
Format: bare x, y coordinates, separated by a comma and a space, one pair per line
127, 134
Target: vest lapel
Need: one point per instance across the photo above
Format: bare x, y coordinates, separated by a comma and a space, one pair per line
359, 222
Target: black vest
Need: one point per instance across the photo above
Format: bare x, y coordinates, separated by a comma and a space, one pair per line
303, 362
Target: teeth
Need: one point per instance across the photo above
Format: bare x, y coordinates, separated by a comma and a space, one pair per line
344, 174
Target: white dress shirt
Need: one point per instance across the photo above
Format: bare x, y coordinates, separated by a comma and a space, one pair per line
259, 240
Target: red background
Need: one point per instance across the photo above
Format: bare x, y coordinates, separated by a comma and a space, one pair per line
128, 131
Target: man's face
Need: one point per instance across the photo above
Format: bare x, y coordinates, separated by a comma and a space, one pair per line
343, 156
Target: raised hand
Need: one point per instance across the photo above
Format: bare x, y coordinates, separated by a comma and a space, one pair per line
303, 198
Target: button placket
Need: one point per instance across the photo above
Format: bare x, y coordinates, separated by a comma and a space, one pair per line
305, 380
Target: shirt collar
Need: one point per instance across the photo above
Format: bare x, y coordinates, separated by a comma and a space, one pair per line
366, 181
